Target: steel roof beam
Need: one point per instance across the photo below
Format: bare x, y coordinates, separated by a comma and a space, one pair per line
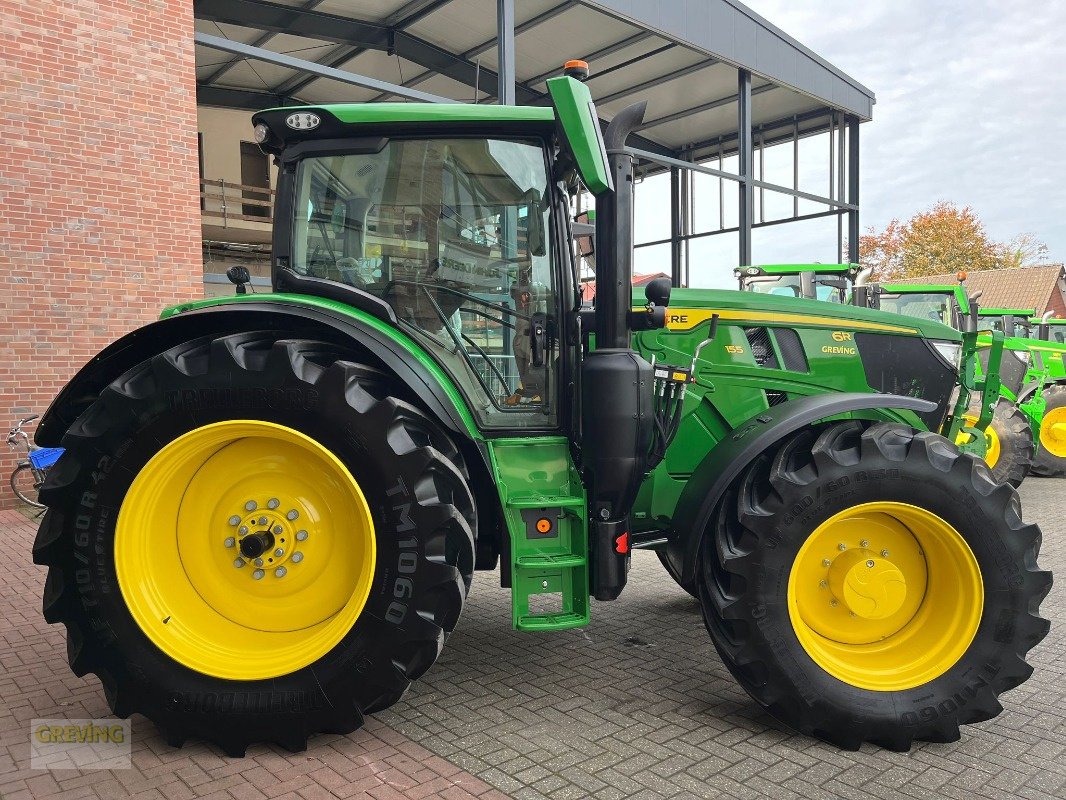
344, 53
603, 52
259, 42
282, 60
246, 99
688, 112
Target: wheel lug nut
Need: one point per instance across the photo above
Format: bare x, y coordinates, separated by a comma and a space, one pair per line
279, 552
833, 603
278, 529
251, 505
238, 563
242, 530
258, 574
262, 520
280, 572
823, 584
301, 536
234, 521
291, 515
870, 563
230, 541
259, 562
842, 547
273, 503
864, 543
884, 554
826, 562
297, 557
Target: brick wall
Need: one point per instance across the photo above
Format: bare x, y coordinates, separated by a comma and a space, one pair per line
99, 212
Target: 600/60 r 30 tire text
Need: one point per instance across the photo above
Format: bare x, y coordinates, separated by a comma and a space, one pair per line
252, 539
872, 583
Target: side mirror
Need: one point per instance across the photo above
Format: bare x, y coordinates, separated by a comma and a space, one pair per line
586, 242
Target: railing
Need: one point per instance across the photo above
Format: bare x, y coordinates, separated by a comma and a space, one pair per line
227, 201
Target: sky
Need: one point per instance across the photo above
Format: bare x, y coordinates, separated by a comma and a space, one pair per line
971, 108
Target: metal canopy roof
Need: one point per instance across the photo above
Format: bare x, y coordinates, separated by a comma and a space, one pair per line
679, 55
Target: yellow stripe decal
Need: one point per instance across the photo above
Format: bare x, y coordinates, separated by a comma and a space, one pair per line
681, 319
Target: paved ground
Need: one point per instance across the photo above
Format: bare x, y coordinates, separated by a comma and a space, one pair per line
636, 705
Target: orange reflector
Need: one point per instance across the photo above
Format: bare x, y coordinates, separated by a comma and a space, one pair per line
576, 63
544, 525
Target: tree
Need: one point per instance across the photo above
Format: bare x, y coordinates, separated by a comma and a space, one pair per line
1024, 250
944, 238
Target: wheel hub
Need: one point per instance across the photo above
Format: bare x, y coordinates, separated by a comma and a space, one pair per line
269, 535
869, 586
1053, 432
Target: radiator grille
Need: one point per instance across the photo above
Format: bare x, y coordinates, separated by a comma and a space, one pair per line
761, 348
788, 342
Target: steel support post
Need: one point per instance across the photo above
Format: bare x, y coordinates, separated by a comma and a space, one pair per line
744, 166
853, 189
675, 226
505, 51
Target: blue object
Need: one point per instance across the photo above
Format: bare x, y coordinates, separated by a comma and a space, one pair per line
45, 457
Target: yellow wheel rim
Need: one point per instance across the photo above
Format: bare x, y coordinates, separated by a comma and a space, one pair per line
993, 448
1053, 432
245, 550
885, 596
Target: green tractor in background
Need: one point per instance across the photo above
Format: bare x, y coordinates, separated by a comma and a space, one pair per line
271, 506
1044, 385
1012, 433
829, 282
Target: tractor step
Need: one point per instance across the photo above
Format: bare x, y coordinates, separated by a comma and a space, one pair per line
544, 505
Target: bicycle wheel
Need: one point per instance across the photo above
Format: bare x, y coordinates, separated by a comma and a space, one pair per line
24, 484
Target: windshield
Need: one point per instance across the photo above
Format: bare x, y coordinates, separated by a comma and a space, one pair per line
1020, 325
828, 286
452, 233
923, 305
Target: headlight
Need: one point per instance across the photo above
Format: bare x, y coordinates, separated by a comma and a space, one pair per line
753, 270
260, 133
951, 352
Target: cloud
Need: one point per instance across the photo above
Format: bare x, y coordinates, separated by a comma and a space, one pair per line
970, 105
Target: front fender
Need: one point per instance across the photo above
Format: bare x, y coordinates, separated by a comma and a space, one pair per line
728, 459
382, 346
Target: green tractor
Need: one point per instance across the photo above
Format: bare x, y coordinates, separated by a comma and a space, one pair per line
829, 282
1011, 434
271, 506
1044, 387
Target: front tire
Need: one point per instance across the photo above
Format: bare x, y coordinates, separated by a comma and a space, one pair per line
161, 477
1010, 448
873, 584
1050, 458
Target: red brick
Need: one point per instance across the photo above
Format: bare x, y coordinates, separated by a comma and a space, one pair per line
98, 184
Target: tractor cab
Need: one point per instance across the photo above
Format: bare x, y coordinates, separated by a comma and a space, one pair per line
945, 303
1049, 329
1012, 322
829, 282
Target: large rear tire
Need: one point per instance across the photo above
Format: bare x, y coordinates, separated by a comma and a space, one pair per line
159, 564
871, 583
1050, 458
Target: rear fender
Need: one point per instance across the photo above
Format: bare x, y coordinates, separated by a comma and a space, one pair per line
352, 328
729, 459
